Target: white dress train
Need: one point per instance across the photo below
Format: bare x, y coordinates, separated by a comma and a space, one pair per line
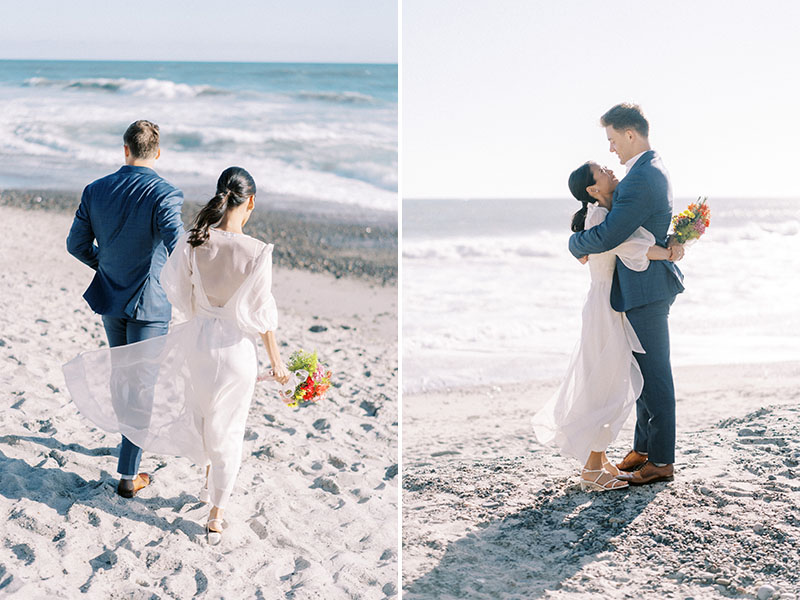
187, 393
603, 378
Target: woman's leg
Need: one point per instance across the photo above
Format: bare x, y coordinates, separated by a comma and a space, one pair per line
595, 461
224, 437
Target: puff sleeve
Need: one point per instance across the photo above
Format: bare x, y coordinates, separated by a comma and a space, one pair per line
256, 311
633, 251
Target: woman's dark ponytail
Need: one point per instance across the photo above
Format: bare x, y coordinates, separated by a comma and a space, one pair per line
234, 186
579, 218
580, 179
209, 215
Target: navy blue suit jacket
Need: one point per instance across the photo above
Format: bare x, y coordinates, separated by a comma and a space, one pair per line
135, 216
643, 198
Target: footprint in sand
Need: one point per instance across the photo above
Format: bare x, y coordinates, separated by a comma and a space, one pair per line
321, 424
337, 462
326, 484
104, 560
24, 553
259, 528
201, 581
369, 408
301, 563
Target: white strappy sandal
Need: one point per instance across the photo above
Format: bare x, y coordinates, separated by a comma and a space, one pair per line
613, 470
215, 537
611, 484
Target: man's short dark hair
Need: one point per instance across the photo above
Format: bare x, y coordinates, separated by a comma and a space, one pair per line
141, 138
626, 116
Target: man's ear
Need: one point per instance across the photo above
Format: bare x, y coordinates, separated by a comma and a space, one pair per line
158, 154
127, 151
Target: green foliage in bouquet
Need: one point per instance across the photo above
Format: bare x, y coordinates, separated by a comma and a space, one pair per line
317, 382
692, 222
300, 359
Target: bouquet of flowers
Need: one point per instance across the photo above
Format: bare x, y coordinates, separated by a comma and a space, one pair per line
308, 382
691, 223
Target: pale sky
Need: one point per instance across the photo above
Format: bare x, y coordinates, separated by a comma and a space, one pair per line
202, 30
503, 99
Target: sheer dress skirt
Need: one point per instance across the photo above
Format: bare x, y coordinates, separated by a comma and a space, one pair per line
603, 379
188, 393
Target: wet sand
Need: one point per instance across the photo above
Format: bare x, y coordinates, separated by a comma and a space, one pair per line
324, 238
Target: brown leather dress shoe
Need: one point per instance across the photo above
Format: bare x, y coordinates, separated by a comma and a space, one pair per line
633, 461
649, 473
128, 488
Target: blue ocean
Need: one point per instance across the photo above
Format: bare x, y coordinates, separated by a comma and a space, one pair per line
320, 132
491, 293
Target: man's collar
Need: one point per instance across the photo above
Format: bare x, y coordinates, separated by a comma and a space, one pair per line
632, 161
136, 169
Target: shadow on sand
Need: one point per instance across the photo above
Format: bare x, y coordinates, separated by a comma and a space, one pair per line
531, 551
60, 489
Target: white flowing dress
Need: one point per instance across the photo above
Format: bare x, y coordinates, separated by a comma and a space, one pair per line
603, 379
187, 393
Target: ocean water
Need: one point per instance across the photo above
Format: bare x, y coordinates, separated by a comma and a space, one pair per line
492, 295
320, 132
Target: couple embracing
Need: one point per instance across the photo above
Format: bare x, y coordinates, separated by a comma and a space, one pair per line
185, 390
623, 356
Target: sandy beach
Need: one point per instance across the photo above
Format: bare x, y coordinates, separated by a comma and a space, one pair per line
489, 513
313, 514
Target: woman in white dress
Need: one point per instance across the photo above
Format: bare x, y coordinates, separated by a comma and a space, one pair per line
188, 393
603, 378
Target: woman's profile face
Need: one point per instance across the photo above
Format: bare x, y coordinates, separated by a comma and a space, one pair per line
604, 179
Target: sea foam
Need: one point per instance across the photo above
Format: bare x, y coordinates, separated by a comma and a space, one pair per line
506, 307
321, 132
155, 88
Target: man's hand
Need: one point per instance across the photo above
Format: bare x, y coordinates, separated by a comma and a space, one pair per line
676, 252
583, 260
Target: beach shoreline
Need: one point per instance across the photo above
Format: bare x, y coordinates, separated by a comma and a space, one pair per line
345, 241
313, 513
490, 513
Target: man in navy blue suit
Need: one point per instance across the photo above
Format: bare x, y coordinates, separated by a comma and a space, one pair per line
135, 217
643, 198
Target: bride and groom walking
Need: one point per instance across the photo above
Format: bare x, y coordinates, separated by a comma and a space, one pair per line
186, 392
623, 356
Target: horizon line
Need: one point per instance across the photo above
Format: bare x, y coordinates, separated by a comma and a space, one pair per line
537, 198
279, 62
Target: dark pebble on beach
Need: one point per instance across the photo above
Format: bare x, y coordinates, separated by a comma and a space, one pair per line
314, 241
317, 328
